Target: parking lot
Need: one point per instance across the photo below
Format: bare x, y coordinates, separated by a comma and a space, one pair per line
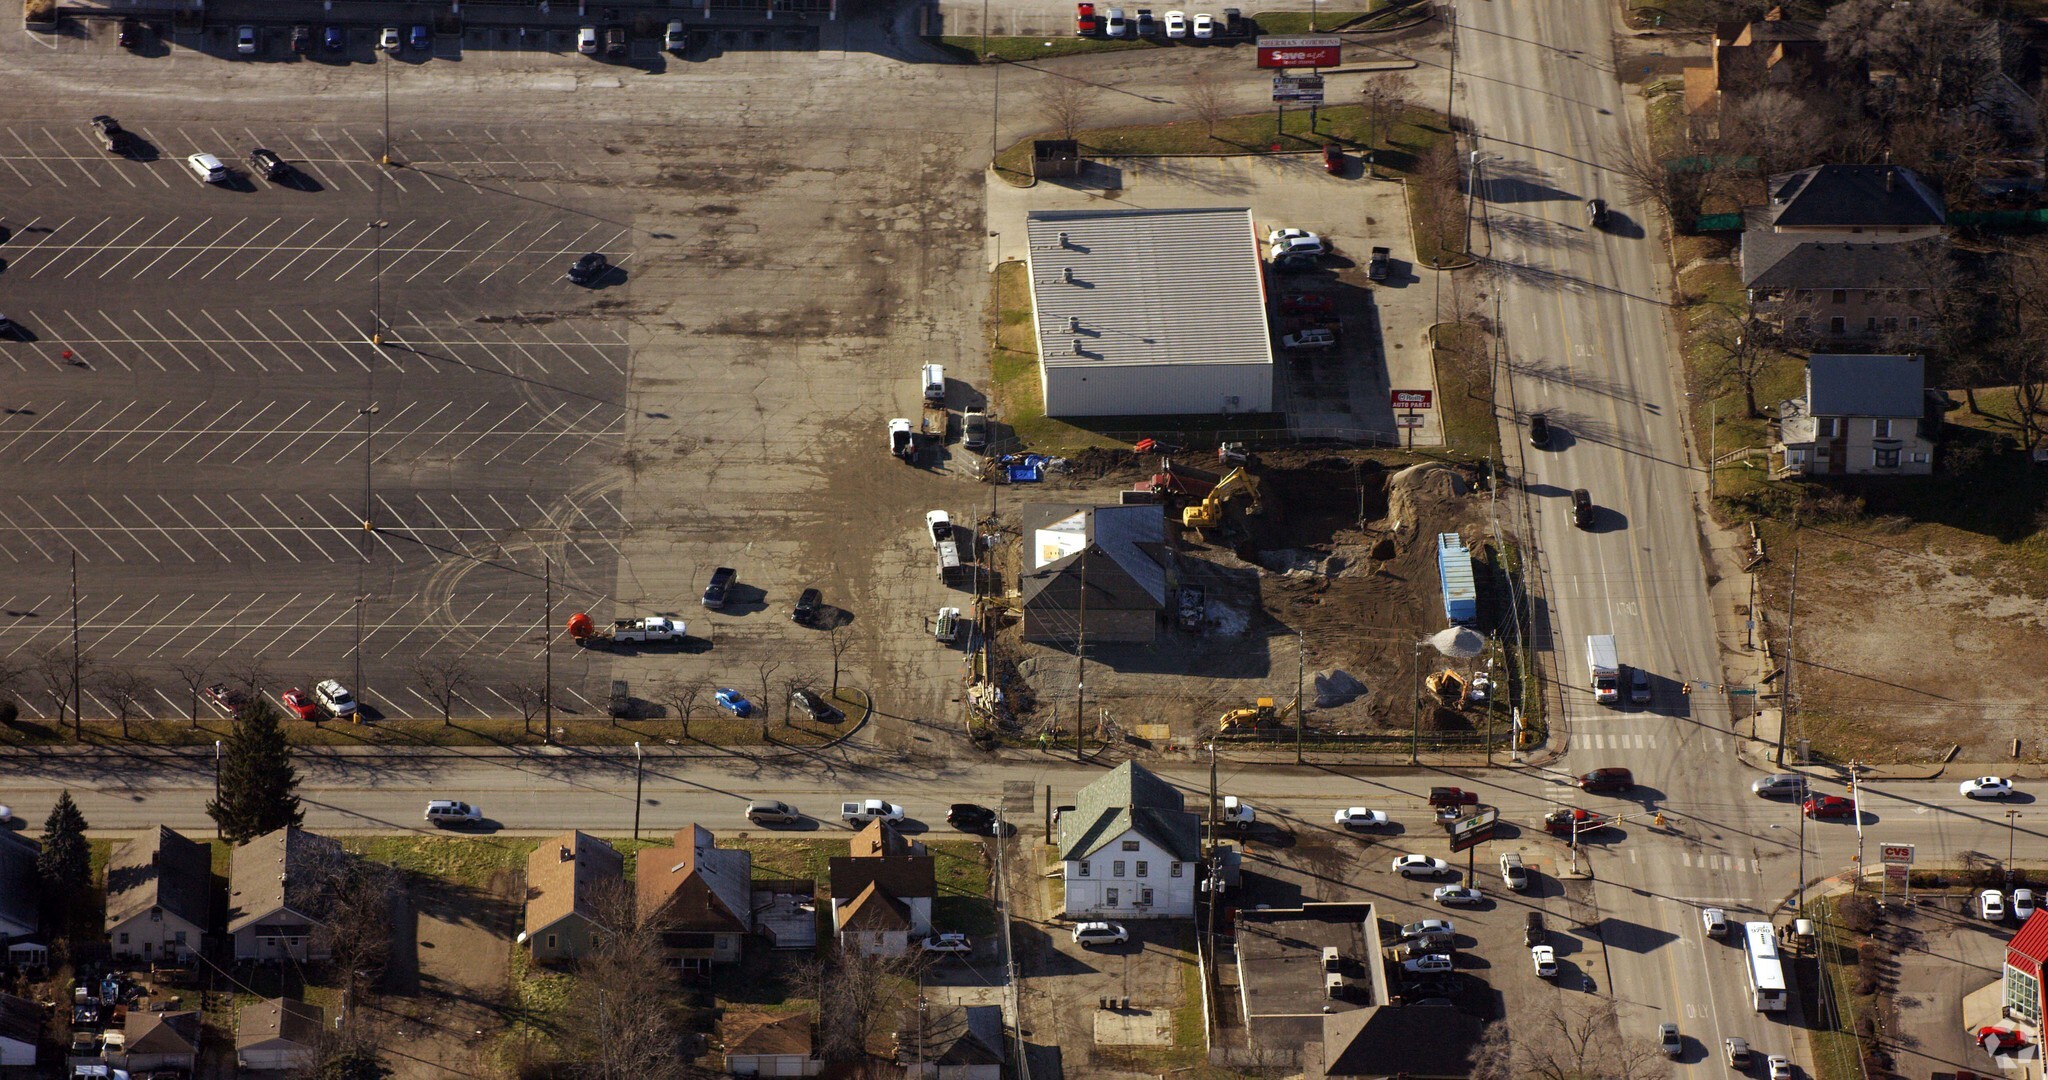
199, 411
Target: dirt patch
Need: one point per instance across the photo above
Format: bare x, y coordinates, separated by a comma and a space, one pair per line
447, 988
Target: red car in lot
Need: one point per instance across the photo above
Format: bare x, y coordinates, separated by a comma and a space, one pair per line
1307, 304
298, 704
1829, 806
1333, 159
1560, 822
1085, 23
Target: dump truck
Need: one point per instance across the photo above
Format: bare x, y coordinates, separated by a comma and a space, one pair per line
641, 631
1606, 670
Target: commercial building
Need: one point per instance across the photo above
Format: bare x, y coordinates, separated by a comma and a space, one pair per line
1103, 572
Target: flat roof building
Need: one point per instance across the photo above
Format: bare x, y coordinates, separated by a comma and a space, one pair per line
1149, 312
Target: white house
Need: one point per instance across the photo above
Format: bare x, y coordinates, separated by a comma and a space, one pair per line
1131, 849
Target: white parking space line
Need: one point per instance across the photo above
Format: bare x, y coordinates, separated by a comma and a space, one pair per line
73, 445
229, 339
266, 530
341, 249
371, 161
293, 523
390, 428
150, 519
173, 246
232, 647
83, 235
145, 352
226, 437
343, 610
239, 248
123, 526
204, 249
144, 244
309, 610
89, 337
167, 430
378, 534
510, 260
9, 519
140, 426
195, 530
145, 631
68, 156
336, 157
274, 249
37, 158
308, 248
600, 350
102, 248
487, 431
445, 252
276, 428
263, 337
405, 529
56, 534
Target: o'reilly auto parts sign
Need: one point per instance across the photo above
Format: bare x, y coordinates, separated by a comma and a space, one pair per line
1292, 52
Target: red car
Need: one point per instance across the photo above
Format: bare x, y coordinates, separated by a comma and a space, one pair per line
296, 701
1084, 20
1307, 304
227, 698
1559, 822
1829, 806
1450, 796
1333, 159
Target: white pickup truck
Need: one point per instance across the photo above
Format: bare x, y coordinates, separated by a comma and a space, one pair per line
1513, 871
866, 810
1238, 815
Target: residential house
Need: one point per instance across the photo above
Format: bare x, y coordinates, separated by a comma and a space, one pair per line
882, 892
159, 896
1130, 848
1103, 571
952, 1042
1772, 53
21, 1028
564, 879
157, 1041
1847, 253
1861, 415
277, 893
282, 1033
21, 894
695, 895
758, 1045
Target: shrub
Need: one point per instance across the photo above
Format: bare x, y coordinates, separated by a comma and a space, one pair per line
1858, 913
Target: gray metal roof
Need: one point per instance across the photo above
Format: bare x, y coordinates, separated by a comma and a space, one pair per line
1130, 797
1122, 548
1792, 261
1845, 196
1147, 287
1879, 386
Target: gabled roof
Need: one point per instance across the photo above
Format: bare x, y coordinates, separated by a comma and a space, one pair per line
874, 909
1786, 261
1127, 798
20, 1019
159, 869
878, 838
695, 885
1384, 1041
162, 1032
2032, 940
1877, 386
1848, 196
20, 886
289, 868
767, 1035
1119, 551
563, 874
288, 1019
956, 1035
905, 877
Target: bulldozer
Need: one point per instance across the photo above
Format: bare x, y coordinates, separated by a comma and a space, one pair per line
1208, 513
1262, 715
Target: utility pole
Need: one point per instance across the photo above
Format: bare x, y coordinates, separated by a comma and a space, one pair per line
1081, 656
77, 716
1300, 687
1415, 729
547, 637
2012, 819
639, 770
1791, 647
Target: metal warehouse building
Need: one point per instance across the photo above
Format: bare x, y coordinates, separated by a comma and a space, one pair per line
1149, 312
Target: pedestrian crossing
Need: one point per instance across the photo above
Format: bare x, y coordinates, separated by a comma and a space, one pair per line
1724, 864
1640, 740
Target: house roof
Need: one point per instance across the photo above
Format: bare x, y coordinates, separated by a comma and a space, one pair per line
879, 837
1879, 386
874, 909
1119, 551
695, 885
159, 869
766, 1035
162, 1032
1786, 261
956, 1035
1848, 196
289, 868
563, 874
1421, 1043
1130, 797
905, 877
2031, 942
287, 1019
20, 1019
20, 886
1123, 287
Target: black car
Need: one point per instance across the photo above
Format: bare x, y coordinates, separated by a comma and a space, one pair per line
1609, 779
1596, 212
112, 135
1539, 431
971, 817
334, 38
819, 710
1582, 508
589, 269
721, 584
131, 34
1295, 262
302, 40
1147, 25
268, 164
806, 610
1233, 23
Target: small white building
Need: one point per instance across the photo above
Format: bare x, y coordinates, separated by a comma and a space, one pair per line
1130, 849
1149, 312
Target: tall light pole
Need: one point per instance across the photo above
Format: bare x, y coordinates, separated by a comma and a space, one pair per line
639, 769
2012, 818
216, 772
367, 412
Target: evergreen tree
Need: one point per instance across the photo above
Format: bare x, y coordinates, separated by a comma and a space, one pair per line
256, 778
65, 861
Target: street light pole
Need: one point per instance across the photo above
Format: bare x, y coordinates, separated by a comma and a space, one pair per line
639, 769
2012, 818
216, 772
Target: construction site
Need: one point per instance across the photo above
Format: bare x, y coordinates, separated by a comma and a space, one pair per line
1233, 595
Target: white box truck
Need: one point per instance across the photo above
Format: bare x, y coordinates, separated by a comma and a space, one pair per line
1606, 671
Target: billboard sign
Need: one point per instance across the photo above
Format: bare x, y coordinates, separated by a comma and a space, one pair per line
1897, 854
1413, 399
1307, 89
1287, 52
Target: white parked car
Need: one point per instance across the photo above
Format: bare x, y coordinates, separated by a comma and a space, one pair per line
1545, 959
1205, 26
1457, 896
1432, 962
245, 40
677, 39
1779, 1066
390, 41
1176, 24
586, 41
1715, 920
1115, 25
2022, 904
1295, 242
208, 169
1991, 905
1317, 338
450, 812
1100, 933
1358, 817
1420, 866
948, 943
330, 695
1987, 787
1428, 926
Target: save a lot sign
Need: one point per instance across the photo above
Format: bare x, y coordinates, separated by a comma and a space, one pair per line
1304, 51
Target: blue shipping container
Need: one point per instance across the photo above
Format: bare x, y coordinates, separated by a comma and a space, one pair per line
1454, 567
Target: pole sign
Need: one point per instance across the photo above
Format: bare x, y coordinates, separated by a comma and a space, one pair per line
1287, 52
1467, 832
1896, 854
1413, 399
1408, 419
1305, 89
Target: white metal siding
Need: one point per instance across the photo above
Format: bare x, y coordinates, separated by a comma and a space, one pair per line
1157, 389
1172, 897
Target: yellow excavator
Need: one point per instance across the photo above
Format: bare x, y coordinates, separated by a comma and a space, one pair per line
1262, 715
1208, 513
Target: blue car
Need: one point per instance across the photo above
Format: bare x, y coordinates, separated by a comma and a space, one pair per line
420, 38
335, 38
731, 700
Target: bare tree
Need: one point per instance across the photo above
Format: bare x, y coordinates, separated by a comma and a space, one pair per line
1207, 99
839, 642
193, 676
62, 675
1741, 345
251, 675
856, 993
767, 669
630, 1031
442, 679
1443, 208
1387, 99
1646, 178
1067, 104
358, 922
1773, 126
1580, 1044
124, 692
13, 676
1934, 45
530, 698
681, 695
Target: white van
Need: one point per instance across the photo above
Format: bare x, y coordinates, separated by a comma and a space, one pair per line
934, 383
208, 168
